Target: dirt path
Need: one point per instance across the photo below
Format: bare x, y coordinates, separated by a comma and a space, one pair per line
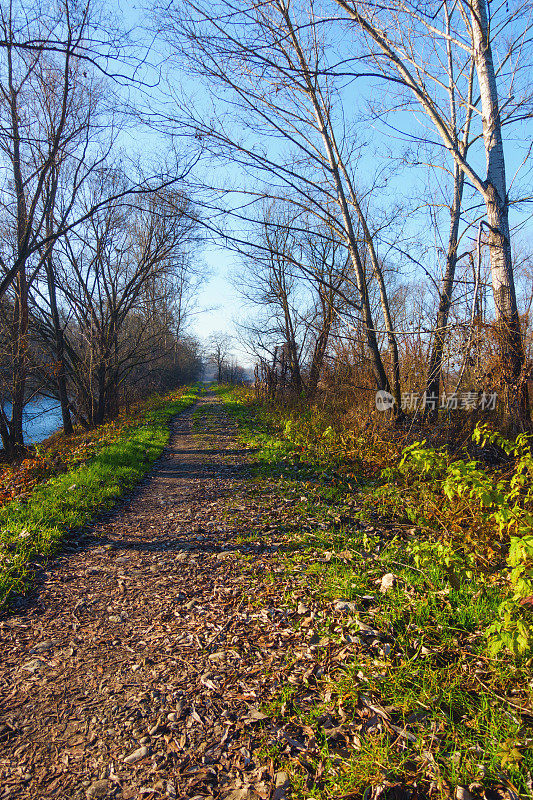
136, 666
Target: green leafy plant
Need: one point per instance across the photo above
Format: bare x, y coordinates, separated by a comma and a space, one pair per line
500, 505
456, 564
423, 461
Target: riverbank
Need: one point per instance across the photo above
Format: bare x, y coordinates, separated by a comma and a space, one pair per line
70, 479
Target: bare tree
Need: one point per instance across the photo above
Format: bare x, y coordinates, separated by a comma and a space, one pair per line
296, 283
115, 276
399, 36
274, 66
219, 351
37, 94
462, 137
57, 129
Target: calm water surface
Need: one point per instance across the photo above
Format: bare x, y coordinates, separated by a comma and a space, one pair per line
42, 417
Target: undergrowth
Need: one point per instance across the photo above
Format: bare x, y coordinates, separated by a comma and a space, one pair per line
455, 670
33, 527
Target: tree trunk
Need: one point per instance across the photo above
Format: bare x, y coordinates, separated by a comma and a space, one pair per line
319, 351
102, 393
515, 400
292, 349
4, 434
385, 308
382, 382
20, 313
383, 296
20, 348
435, 361
60, 348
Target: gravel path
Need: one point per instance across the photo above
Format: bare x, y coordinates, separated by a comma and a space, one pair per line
136, 665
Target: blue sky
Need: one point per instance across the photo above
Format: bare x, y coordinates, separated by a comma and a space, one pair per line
219, 303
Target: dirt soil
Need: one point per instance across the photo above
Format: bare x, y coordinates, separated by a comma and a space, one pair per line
137, 665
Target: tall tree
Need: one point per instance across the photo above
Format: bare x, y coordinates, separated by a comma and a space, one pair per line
115, 273
36, 90
398, 36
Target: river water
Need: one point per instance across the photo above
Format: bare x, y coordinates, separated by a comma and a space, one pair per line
42, 417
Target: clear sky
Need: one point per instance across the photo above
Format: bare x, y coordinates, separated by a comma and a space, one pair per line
219, 303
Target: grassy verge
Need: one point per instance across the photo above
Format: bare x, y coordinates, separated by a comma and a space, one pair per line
465, 717
34, 527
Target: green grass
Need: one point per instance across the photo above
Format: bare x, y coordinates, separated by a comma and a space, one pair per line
35, 528
470, 729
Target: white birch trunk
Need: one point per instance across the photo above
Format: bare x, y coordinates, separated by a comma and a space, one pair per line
497, 208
